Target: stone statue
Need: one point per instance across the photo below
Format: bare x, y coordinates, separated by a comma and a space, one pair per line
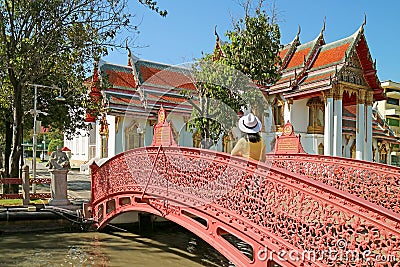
58, 160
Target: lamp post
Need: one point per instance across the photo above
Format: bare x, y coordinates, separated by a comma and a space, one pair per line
35, 113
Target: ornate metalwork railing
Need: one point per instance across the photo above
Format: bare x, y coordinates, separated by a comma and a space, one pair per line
306, 221
18, 181
374, 182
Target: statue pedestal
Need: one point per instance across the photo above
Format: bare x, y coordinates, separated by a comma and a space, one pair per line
58, 188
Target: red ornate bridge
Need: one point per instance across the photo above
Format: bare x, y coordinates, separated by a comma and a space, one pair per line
293, 210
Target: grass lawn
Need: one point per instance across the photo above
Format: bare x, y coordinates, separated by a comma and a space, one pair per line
18, 202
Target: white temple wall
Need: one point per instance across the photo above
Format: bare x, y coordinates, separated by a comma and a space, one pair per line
268, 119
299, 114
310, 142
268, 138
79, 146
98, 140
111, 135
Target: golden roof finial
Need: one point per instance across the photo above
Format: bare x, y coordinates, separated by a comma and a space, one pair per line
365, 20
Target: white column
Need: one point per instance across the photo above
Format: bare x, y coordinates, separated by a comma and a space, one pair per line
337, 126
360, 126
368, 132
287, 111
346, 147
328, 125
111, 135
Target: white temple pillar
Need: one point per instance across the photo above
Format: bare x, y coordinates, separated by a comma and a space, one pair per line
328, 125
360, 125
368, 127
346, 147
337, 124
287, 115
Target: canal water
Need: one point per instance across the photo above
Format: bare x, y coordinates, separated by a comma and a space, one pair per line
167, 246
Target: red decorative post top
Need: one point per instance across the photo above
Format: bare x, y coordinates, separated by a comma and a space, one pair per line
94, 94
163, 131
288, 142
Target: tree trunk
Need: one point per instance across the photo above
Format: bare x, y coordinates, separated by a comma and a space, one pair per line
17, 135
7, 148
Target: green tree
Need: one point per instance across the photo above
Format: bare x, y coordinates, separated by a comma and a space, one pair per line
254, 46
216, 100
54, 143
254, 50
50, 42
250, 60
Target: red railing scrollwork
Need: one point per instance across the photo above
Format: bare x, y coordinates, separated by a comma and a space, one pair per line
292, 216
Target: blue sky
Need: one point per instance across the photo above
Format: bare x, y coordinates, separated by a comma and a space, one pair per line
188, 28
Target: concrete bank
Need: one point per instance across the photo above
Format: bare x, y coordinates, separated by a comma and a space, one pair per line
41, 218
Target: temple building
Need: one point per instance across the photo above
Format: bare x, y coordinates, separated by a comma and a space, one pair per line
326, 91
131, 97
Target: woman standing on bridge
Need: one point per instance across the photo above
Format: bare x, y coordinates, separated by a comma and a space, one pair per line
251, 145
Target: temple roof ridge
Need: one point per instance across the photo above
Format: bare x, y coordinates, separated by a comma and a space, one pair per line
105, 63
218, 51
289, 49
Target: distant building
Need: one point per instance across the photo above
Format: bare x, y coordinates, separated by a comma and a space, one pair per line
390, 111
131, 99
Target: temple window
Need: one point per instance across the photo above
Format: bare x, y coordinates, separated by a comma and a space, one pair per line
196, 139
353, 150
392, 101
134, 136
383, 153
315, 116
227, 143
320, 149
277, 111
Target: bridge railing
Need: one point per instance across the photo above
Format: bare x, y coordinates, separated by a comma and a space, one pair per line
270, 206
375, 182
18, 181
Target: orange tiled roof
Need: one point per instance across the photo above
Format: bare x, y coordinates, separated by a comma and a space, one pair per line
298, 58
318, 77
165, 77
121, 79
329, 56
283, 53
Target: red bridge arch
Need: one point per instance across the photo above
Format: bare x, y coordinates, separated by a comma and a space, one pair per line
288, 217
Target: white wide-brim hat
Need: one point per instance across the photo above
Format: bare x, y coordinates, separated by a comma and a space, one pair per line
250, 124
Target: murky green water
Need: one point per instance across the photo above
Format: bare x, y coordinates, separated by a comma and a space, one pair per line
168, 246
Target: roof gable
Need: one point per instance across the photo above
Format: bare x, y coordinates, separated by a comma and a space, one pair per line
316, 66
157, 84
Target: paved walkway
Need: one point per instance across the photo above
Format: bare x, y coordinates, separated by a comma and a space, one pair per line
78, 183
